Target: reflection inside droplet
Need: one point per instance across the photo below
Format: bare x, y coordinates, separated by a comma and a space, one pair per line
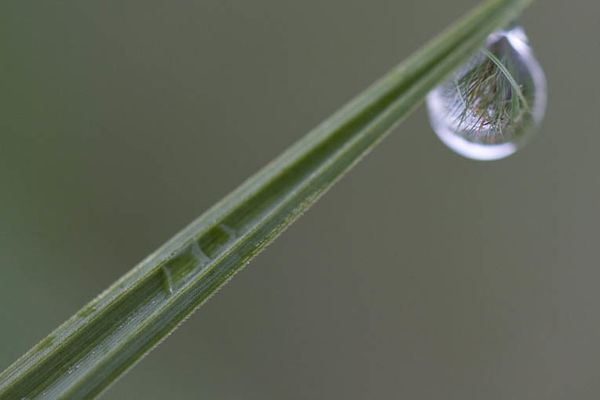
492, 105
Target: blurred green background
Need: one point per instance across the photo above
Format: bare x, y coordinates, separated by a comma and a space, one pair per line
421, 275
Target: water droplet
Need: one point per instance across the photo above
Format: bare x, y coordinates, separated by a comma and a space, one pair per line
201, 258
229, 231
168, 280
492, 105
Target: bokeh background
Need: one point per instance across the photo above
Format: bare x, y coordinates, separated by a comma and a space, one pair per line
421, 275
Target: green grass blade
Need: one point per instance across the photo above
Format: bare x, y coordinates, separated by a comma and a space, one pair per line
96, 346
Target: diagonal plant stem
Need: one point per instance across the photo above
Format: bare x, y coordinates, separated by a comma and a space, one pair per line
96, 346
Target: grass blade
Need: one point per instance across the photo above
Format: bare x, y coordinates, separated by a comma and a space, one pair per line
96, 346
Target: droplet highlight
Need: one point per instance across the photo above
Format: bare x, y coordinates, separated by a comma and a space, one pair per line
491, 106
168, 280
